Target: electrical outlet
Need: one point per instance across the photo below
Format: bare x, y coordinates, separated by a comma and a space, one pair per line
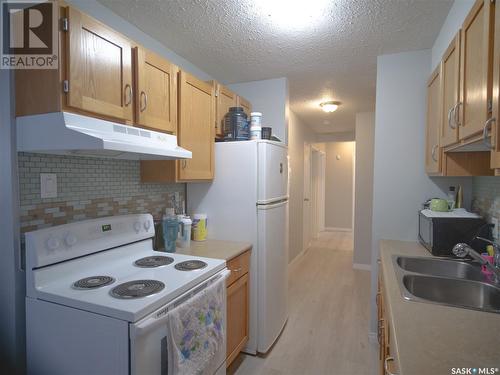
495, 229
48, 185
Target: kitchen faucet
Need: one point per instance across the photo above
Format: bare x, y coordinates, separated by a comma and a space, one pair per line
462, 249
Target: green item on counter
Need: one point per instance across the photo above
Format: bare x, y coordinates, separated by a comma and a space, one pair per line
439, 205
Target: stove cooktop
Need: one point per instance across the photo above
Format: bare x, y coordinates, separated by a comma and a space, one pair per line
111, 282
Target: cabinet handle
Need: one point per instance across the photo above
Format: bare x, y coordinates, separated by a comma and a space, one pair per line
456, 114
487, 125
237, 270
450, 111
128, 90
433, 152
145, 96
281, 168
184, 163
379, 331
377, 299
386, 365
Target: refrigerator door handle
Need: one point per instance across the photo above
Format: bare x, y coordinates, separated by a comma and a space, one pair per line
270, 206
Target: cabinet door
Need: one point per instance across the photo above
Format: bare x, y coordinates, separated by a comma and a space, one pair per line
196, 128
475, 68
237, 317
247, 106
99, 68
450, 78
225, 99
432, 149
495, 133
156, 92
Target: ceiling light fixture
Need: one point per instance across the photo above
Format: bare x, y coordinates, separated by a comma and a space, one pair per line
330, 106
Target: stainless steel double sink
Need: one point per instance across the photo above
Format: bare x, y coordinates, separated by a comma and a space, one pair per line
447, 282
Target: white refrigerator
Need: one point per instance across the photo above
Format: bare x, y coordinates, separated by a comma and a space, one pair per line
248, 201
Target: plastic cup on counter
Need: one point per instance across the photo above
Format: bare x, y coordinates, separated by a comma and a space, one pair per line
199, 228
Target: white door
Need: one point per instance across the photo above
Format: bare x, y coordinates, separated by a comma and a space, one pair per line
272, 265
307, 198
272, 172
314, 193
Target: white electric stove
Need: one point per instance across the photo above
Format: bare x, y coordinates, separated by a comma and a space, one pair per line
98, 294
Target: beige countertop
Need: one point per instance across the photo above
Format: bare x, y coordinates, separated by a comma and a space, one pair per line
430, 338
217, 249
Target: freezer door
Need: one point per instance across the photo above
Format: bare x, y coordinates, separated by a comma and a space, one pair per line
272, 273
272, 172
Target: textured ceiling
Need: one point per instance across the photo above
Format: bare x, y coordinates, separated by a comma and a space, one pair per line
326, 55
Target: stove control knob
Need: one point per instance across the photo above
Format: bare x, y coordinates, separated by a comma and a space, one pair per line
147, 225
137, 226
70, 240
53, 243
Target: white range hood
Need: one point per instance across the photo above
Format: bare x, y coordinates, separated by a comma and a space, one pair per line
65, 133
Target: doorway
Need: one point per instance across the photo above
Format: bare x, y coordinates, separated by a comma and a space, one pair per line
314, 193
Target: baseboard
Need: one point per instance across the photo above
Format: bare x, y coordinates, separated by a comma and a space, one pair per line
333, 229
372, 338
362, 266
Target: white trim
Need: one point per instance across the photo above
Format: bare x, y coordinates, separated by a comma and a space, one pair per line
333, 229
373, 338
362, 266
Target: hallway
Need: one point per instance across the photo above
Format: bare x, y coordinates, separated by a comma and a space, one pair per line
327, 329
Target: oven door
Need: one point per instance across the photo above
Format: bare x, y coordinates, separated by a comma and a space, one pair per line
148, 337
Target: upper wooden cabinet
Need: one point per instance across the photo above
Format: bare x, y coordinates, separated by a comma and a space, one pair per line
94, 76
99, 68
225, 100
433, 151
247, 106
476, 68
450, 78
155, 91
196, 131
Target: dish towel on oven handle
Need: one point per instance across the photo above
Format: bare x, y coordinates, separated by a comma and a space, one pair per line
196, 331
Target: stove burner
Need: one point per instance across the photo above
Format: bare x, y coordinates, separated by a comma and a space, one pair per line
137, 289
93, 282
190, 265
153, 261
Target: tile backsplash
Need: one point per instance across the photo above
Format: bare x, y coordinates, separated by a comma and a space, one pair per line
486, 197
87, 188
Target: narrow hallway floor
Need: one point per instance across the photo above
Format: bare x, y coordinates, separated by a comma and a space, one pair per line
327, 328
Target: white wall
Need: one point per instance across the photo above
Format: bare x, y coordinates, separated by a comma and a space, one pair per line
270, 97
339, 187
400, 183
299, 134
451, 25
12, 286
335, 137
365, 139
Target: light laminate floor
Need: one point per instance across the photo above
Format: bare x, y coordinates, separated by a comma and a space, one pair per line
327, 329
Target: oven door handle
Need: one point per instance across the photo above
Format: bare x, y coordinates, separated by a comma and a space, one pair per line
153, 321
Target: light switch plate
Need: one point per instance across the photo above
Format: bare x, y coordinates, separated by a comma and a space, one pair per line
48, 185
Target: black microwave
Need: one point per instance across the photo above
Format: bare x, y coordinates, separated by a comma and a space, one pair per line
438, 232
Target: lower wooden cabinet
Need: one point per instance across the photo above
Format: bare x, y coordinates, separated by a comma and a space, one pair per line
387, 361
238, 293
